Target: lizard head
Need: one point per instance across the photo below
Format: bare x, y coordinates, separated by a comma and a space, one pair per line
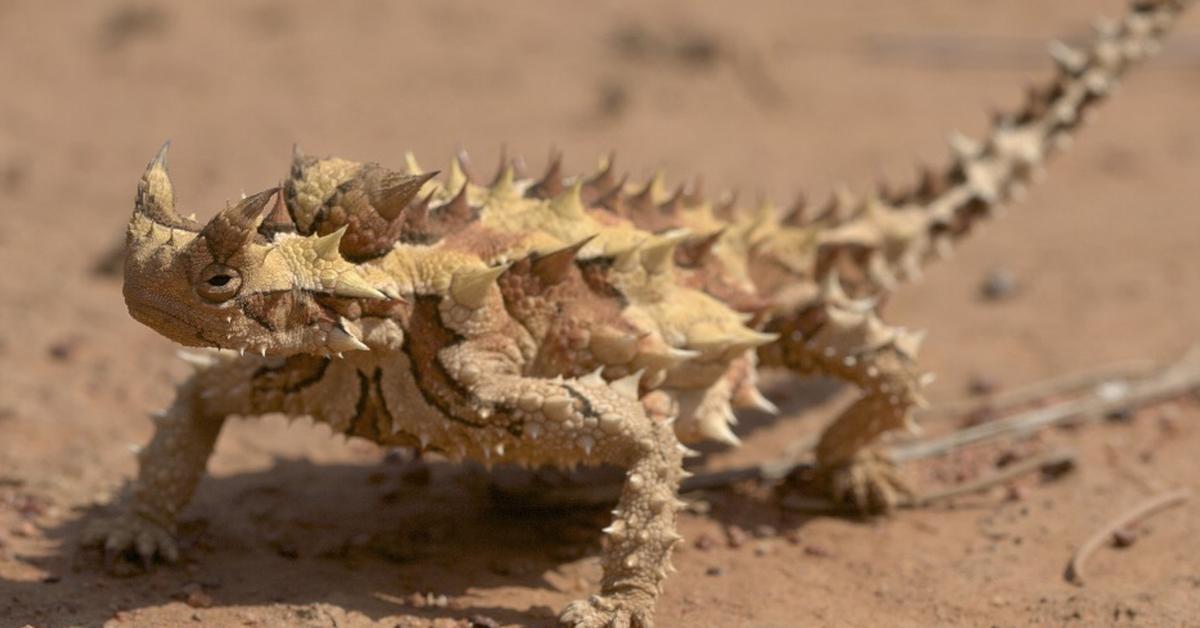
244, 281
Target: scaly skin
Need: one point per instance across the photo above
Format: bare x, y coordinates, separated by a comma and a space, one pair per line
562, 320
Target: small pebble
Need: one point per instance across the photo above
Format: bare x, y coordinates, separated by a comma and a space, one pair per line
1124, 537
483, 621
714, 571
735, 536
195, 597
764, 531
999, 284
1120, 415
817, 550
704, 542
763, 548
980, 385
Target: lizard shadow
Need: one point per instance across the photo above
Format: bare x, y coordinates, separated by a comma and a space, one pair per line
380, 540
376, 539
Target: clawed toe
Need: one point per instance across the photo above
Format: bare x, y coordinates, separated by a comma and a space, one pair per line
870, 483
131, 539
601, 611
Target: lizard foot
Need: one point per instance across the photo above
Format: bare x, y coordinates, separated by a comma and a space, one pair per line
869, 482
607, 611
128, 539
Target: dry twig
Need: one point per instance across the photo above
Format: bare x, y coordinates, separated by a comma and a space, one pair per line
1158, 503
1176, 379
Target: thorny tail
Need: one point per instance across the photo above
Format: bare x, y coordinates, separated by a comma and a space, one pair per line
886, 238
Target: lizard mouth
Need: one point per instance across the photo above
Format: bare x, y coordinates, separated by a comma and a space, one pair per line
169, 324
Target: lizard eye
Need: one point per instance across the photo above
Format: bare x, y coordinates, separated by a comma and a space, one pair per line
218, 283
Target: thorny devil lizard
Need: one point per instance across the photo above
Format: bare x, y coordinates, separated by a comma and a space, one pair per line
563, 320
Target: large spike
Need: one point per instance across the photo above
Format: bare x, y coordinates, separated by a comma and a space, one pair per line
752, 397
569, 203
797, 214
457, 210
326, 246
278, 220
613, 346
232, 229
410, 163
602, 182
155, 197
299, 159
628, 386
504, 170
644, 199
553, 267
908, 343
694, 251
1071, 61
964, 148
551, 184
614, 199
627, 261
714, 425
391, 192
658, 256
350, 284
674, 203
744, 338
339, 340
472, 287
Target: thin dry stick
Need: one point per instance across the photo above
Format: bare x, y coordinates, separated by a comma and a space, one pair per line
1074, 382
1158, 503
1051, 459
1176, 379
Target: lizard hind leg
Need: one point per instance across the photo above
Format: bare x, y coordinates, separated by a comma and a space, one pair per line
854, 345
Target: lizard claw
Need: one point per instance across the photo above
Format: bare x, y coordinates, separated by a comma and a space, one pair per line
604, 611
870, 483
131, 538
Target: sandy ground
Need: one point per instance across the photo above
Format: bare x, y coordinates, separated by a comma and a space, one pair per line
296, 528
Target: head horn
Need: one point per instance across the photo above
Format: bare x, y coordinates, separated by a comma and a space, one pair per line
236, 225
156, 195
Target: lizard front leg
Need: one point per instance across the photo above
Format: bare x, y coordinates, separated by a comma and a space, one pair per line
592, 421
848, 341
169, 468
171, 465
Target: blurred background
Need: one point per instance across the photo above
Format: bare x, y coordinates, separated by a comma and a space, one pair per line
770, 97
